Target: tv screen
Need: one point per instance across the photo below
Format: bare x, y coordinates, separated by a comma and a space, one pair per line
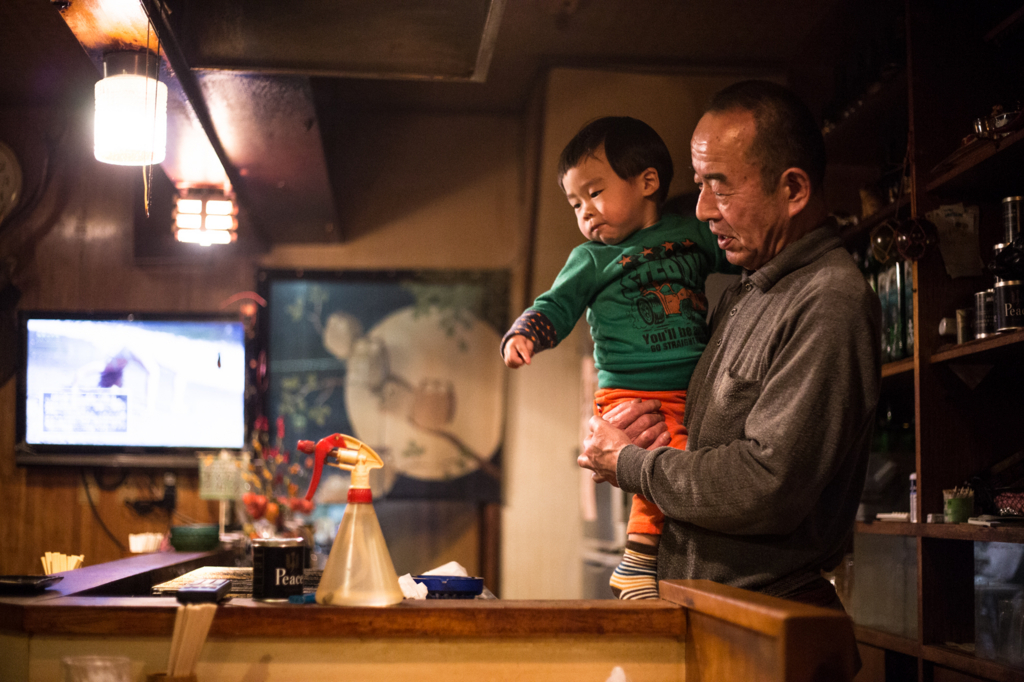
139, 389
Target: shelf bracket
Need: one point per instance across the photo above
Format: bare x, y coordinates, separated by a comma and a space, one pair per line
971, 374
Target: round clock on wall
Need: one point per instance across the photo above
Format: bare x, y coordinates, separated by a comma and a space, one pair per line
10, 181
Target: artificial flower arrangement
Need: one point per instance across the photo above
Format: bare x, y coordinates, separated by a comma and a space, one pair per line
270, 475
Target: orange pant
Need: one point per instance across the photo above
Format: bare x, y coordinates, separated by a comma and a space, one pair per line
645, 517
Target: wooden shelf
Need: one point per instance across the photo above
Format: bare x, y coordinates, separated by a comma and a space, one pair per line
965, 531
114, 600
887, 528
946, 656
965, 399
1005, 27
992, 349
965, 662
945, 531
985, 168
891, 369
886, 640
865, 226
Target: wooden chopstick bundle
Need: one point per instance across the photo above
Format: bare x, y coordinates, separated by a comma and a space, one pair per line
55, 562
179, 628
191, 626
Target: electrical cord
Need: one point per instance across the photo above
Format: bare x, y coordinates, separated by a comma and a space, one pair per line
96, 513
167, 501
110, 487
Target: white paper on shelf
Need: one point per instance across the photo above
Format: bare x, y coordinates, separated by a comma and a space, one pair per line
958, 239
893, 516
450, 568
412, 589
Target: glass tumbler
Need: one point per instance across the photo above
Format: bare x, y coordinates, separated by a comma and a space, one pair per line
96, 669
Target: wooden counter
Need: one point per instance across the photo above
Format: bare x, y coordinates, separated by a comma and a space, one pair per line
721, 632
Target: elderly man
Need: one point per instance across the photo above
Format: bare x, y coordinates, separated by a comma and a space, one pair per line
781, 403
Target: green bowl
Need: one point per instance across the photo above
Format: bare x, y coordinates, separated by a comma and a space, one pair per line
198, 537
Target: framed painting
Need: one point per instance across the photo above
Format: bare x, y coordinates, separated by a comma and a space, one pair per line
405, 361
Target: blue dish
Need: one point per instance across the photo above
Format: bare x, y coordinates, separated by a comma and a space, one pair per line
451, 586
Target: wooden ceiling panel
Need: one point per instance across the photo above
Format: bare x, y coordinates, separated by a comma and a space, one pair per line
269, 131
403, 39
42, 62
102, 25
241, 70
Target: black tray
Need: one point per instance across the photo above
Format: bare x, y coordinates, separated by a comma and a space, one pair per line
27, 584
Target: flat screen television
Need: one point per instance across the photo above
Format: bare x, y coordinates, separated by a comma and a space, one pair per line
129, 389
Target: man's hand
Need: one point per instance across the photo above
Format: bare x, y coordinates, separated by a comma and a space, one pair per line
637, 422
643, 424
518, 351
601, 450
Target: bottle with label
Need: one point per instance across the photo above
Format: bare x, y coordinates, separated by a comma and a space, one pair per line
913, 497
883, 298
896, 313
908, 305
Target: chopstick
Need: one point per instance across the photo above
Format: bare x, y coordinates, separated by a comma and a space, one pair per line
191, 626
56, 562
179, 628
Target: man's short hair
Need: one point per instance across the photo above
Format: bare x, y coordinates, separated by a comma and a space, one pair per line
787, 135
630, 147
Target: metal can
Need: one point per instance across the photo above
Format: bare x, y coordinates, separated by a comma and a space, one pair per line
1012, 217
963, 325
1009, 305
277, 567
984, 314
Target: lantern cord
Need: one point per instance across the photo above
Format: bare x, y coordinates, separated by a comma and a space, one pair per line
147, 170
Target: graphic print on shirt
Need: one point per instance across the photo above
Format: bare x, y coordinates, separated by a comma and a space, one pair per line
664, 284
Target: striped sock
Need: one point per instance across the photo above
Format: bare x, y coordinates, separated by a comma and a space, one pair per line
636, 577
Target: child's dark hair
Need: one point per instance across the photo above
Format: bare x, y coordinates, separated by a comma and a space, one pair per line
630, 146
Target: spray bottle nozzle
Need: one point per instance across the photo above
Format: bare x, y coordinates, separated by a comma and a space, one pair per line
359, 571
349, 454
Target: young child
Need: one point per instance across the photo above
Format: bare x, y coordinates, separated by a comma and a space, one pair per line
640, 277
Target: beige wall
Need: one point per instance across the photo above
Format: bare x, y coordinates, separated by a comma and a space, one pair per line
424, 191
541, 522
428, 191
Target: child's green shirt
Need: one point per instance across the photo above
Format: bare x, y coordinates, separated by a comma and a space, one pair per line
645, 302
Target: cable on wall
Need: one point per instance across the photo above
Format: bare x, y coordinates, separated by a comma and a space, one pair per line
96, 513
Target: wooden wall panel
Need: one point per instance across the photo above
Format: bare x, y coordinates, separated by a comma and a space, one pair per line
74, 252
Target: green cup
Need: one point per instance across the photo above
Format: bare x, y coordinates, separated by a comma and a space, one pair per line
958, 509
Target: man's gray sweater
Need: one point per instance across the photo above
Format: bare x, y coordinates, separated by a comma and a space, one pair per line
780, 411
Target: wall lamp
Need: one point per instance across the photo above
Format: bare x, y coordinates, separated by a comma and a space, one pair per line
131, 110
205, 216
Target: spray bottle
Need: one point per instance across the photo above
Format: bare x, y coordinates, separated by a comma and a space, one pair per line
359, 571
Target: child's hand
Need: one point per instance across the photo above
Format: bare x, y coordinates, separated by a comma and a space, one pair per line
518, 351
